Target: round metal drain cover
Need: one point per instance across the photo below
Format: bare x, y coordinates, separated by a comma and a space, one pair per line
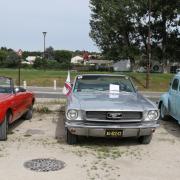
44, 165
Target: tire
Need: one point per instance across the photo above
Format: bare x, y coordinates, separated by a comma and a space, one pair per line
4, 129
28, 115
71, 138
163, 112
145, 139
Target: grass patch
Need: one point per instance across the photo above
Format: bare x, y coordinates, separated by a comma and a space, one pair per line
158, 81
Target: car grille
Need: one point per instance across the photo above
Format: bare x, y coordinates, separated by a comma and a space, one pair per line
120, 116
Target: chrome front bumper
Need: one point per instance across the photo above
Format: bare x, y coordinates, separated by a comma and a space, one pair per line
84, 129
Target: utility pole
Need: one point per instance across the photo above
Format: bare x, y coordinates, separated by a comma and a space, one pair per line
149, 45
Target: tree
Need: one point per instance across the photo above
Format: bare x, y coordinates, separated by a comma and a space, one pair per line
120, 27
3, 56
63, 56
50, 53
113, 28
12, 59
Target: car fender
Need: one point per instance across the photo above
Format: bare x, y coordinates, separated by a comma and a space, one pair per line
164, 99
2, 113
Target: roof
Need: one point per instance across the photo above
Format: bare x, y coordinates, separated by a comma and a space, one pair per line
77, 58
120, 75
178, 74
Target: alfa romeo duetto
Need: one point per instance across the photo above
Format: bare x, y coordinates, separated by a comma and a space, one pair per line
14, 103
105, 105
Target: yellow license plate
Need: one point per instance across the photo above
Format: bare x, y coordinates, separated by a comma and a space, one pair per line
113, 133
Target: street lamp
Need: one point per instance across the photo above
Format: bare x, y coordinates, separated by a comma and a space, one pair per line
44, 35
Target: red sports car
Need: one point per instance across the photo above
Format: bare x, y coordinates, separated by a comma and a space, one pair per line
14, 103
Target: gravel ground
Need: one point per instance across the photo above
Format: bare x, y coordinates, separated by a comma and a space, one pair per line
92, 158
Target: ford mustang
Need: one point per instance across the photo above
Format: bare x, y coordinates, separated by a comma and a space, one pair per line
103, 105
14, 103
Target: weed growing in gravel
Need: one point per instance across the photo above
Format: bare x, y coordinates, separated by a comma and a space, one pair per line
42, 109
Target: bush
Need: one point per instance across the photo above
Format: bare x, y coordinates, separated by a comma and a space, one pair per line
50, 64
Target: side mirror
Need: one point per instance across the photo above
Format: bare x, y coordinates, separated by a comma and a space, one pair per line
19, 89
16, 90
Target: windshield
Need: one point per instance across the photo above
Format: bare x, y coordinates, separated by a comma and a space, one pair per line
113, 84
5, 85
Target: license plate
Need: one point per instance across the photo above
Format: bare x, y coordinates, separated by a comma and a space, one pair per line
113, 133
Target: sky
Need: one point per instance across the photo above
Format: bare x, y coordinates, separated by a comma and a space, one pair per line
65, 21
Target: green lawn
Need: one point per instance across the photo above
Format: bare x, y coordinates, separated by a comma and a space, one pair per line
158, 82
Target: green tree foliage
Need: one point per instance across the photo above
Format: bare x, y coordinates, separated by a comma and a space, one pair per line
62, 56
12, 60
120, 27
112, 27
50, 53
3, 56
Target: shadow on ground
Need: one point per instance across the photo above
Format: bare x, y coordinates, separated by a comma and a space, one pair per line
171, 126
15, 124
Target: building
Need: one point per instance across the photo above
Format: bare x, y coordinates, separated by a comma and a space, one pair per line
77, 60
123, 65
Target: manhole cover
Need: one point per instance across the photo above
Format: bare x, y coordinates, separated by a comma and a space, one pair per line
44, 165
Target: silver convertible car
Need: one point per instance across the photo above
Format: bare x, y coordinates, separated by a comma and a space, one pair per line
103, 105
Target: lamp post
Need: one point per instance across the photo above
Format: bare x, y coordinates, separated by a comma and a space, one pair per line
19, 53
44, 35
149, 45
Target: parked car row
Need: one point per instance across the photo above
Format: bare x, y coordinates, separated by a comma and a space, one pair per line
99, 105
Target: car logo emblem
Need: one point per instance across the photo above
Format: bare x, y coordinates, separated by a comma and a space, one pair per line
114, 115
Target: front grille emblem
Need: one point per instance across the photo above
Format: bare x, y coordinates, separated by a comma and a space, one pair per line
114, 115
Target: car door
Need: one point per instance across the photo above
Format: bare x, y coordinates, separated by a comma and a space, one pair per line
17, 105
23, 99
173, 94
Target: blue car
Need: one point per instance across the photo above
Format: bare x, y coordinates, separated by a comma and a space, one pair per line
169, 104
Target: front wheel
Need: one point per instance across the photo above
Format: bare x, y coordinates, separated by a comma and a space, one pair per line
163, 112
71, 138
28, 115
145, 139
4, 129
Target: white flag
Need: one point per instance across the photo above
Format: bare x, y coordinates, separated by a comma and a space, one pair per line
67, 86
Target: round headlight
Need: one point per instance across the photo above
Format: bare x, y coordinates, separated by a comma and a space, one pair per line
152, 115
72, 114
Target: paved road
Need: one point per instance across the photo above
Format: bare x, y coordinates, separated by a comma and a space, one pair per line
49, 92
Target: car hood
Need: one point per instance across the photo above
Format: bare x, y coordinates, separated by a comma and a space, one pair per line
107, 102
4, 96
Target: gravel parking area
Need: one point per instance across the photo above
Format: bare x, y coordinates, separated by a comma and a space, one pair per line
92, 158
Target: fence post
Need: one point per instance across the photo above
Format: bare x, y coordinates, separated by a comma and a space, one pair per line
54, 84
24, 84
